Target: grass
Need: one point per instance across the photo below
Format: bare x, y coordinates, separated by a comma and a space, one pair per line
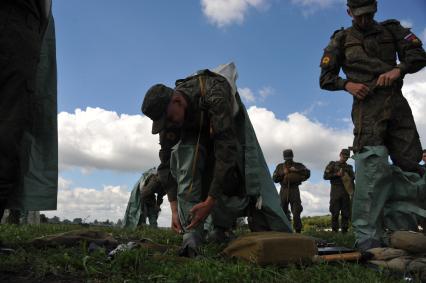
65, 264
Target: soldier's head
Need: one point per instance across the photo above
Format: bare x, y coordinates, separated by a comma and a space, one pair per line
362, 12
288, 155
424, 156
344, 155
164, 106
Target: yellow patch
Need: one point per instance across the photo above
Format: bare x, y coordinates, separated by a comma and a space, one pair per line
325, 60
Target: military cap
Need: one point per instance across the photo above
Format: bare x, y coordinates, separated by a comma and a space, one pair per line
288, 154
360, 7
345, 152
155, 104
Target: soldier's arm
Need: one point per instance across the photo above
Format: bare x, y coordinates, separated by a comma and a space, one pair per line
278, 174
331, 64
329, 171
218, 104
411, 54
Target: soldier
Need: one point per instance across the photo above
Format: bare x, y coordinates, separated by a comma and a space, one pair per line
152, 193
290, 175
424, 158
207, 163
340, 195
367, 52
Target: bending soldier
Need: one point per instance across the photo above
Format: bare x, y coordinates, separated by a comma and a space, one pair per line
341, 176
152, 193
290, 175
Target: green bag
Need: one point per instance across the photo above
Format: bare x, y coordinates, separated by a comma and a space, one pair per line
272, 248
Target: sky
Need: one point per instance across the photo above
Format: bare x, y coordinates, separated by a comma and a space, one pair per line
110, 52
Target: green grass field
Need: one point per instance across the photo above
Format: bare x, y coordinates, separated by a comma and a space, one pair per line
64, 264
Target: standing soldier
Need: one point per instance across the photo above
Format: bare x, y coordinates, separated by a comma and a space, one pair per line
384, 125
290, 175
341, 176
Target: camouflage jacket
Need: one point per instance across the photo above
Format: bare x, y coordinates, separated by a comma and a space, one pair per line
297, 173
213, 107
152, 191
364, 56
333, 168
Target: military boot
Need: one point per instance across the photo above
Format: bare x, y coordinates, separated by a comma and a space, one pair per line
191, 244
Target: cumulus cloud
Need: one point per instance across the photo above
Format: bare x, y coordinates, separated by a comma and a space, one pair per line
415, 91
100, 139
406, 23
312, 142
423, 35
311, 6
109, 202
226, 12
266, 91
247, 95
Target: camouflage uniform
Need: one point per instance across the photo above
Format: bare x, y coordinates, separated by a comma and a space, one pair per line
384, 116
152, 194
340, 201
289, 192
22, 24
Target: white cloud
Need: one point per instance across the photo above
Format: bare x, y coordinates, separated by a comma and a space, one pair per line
265, 92
99, 139
88, 203
315, 198
247, 95
313, 143
406, 23
415, 91
225, 12
311, 6
423, 36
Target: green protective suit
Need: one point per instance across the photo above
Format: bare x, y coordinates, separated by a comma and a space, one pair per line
230, 165
33, 118
385, 198
135, 214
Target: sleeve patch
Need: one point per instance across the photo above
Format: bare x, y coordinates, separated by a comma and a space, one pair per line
326, 60
412, 38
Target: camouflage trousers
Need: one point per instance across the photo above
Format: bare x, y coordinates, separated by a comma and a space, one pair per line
151, 212
385, 118
340, 204
291, 196
20, 43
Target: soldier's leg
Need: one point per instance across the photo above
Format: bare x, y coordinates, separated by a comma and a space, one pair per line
402, 138
296, 209
335, 211
285, 201
346, 212
153, 216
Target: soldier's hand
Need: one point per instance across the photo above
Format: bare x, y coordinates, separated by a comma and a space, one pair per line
360, 91
176, 226
200, 211
386, 79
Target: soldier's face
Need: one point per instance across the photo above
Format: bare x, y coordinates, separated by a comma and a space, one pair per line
424, 157
364, 21
176, 110
343, 158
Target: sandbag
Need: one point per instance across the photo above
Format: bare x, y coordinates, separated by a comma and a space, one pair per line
386, 253
410, 241
272, 248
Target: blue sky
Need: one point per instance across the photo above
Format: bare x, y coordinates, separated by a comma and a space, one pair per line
110, 52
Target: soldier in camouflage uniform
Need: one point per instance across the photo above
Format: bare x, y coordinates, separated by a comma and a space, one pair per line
367, 52
340, 200
22, 25
290, 175
201, 107
152, 193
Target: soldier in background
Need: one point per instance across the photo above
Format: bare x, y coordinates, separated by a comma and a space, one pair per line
290, 175
341, 176
152, 193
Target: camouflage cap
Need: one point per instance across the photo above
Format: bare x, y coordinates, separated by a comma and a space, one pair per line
155, 104
345, 152
288, 154
360, 7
